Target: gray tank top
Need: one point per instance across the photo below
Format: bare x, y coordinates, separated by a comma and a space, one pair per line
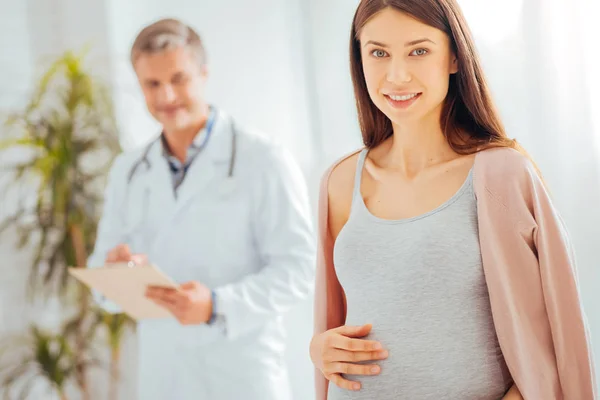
420, 282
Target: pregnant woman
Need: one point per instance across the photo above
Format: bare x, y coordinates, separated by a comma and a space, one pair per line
444, 270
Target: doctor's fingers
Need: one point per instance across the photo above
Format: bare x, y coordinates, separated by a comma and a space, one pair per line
155, 293
121, 253
139, 259
178, 312
158, 291
333, 355
180, 300
169, 306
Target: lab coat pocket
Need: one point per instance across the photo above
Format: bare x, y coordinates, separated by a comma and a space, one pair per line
135, 215
233, 242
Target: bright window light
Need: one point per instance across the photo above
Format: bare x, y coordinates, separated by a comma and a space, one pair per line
492, 21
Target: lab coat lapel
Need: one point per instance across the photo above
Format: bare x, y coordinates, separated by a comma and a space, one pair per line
204, 170
159, 197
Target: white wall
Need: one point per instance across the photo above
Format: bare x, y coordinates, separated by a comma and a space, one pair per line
329, 25
537, 71
15, 69
16, 73
15, 80
255, 58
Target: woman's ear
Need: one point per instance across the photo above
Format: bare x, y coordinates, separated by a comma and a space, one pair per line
454, 65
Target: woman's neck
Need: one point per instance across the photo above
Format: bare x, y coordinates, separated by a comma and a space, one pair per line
415, 146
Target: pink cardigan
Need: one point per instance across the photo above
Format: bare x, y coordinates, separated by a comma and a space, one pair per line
530, 274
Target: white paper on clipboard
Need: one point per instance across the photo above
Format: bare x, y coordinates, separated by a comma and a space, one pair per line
126, 286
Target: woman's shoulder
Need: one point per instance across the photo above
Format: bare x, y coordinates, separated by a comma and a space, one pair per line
339, 177
337, 186
336, 192
505, 158
502, 165
508, 176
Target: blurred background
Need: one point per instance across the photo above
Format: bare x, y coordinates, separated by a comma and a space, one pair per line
280, 66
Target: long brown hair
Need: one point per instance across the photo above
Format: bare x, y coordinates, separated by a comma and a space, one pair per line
469, 118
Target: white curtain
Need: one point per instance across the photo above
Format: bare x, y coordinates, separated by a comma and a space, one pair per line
541, 58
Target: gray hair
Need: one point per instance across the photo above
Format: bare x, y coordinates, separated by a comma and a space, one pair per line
167, 34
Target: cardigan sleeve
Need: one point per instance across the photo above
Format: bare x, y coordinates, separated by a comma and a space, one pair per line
532, 281
568, 325
329, 304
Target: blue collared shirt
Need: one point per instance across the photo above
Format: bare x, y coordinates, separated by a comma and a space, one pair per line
179, 169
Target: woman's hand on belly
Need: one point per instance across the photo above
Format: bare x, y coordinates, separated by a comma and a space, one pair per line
336, 351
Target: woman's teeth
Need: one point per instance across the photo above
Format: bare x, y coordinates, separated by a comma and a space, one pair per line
402, 98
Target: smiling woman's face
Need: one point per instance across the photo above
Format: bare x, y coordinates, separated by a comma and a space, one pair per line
407, 66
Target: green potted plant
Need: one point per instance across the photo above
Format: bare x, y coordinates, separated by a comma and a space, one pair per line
115, 327
68, 137
39, 356
69, 131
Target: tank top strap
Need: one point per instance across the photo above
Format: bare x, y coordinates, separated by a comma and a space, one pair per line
358, 176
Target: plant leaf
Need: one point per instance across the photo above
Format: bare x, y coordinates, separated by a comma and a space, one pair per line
69, 118
17, 142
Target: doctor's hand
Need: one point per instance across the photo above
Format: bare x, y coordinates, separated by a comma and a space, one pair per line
122, 253
191, 304
338, 351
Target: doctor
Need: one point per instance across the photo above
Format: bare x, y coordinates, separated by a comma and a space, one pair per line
222, 211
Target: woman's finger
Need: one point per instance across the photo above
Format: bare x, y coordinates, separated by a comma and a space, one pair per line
343, 383
353, 331
354, 356
350, 344
352, 369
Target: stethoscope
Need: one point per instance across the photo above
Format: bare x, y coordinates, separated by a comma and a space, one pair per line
226, 187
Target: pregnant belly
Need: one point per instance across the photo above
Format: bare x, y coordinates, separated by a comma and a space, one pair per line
430, 357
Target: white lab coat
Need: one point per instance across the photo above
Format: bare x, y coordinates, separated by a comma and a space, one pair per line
255, 246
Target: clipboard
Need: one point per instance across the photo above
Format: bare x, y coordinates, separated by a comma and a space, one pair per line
126, 286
